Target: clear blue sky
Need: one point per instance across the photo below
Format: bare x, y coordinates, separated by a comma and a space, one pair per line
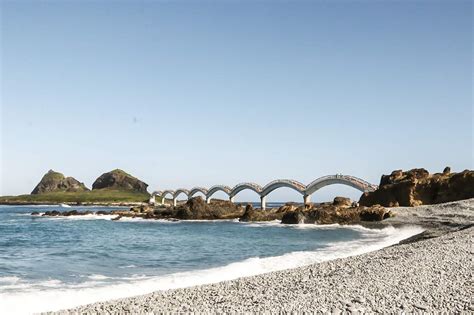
199, 93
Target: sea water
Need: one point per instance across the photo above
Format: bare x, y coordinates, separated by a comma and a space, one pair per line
52, 263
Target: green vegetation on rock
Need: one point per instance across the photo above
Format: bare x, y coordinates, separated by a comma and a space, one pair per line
113, 187
85, 197
56, 182
119, 180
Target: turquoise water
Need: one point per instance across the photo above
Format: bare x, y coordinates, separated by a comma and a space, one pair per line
52, 263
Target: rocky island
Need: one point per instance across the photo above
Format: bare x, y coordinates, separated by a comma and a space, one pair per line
112, 188
56, 182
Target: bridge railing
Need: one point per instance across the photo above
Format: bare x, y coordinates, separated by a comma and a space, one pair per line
358, 182
293, 183
253, 185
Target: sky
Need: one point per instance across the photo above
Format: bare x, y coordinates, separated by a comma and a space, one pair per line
198, 93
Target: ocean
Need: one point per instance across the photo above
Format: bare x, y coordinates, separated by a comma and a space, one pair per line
52, 263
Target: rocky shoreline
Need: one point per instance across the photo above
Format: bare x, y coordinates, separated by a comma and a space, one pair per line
341, 210
425, 276
48, 203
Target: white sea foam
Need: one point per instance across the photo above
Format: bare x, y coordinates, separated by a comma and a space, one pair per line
128, 266
83, 217
32, 301
98, 277
9, 280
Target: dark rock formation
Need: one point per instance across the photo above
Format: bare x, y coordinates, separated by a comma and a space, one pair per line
417, 187
53, 213
342, 202
119, 180
197, 209
56, 182
374, 213
253, 215
340, 211
56, 213
143, 209
293, 217
447, 170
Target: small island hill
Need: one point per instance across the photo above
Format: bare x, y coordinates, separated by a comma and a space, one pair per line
112, 188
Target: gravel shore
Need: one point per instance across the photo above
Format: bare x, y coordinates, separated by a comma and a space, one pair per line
434, 274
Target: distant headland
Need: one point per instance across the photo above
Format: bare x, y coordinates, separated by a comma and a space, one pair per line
112, 188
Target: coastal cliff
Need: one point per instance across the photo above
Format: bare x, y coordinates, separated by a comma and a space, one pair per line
418, 187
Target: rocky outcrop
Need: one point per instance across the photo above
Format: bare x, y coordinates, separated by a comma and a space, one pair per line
254, 215
342, 202
143, 208
57, 182
340, 211
294, 217
56, 213
197, 209
119, 180
418, 187
194, 209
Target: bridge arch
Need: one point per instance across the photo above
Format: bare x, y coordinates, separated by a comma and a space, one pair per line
306, 191
164, 193
196, 190
347, 180
157, 193
279, 183
180, 191
215, 189
152, 199
242, 186
167, 192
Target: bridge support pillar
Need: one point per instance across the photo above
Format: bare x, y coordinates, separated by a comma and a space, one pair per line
307, 199
231, 199
152, 200
263, 202
175, 202
208, 200
162, 200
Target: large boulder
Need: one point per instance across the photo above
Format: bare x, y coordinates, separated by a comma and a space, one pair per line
197, 209
119, 180
254, 215
418, 187
56, 182
342, 202
293, 217
374, 213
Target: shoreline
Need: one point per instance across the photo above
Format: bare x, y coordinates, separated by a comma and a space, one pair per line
445, 231
86, 204
396, 278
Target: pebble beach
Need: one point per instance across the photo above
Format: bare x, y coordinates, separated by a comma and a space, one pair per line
428, 275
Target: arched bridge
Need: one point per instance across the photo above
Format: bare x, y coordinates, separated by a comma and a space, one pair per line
305, 190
